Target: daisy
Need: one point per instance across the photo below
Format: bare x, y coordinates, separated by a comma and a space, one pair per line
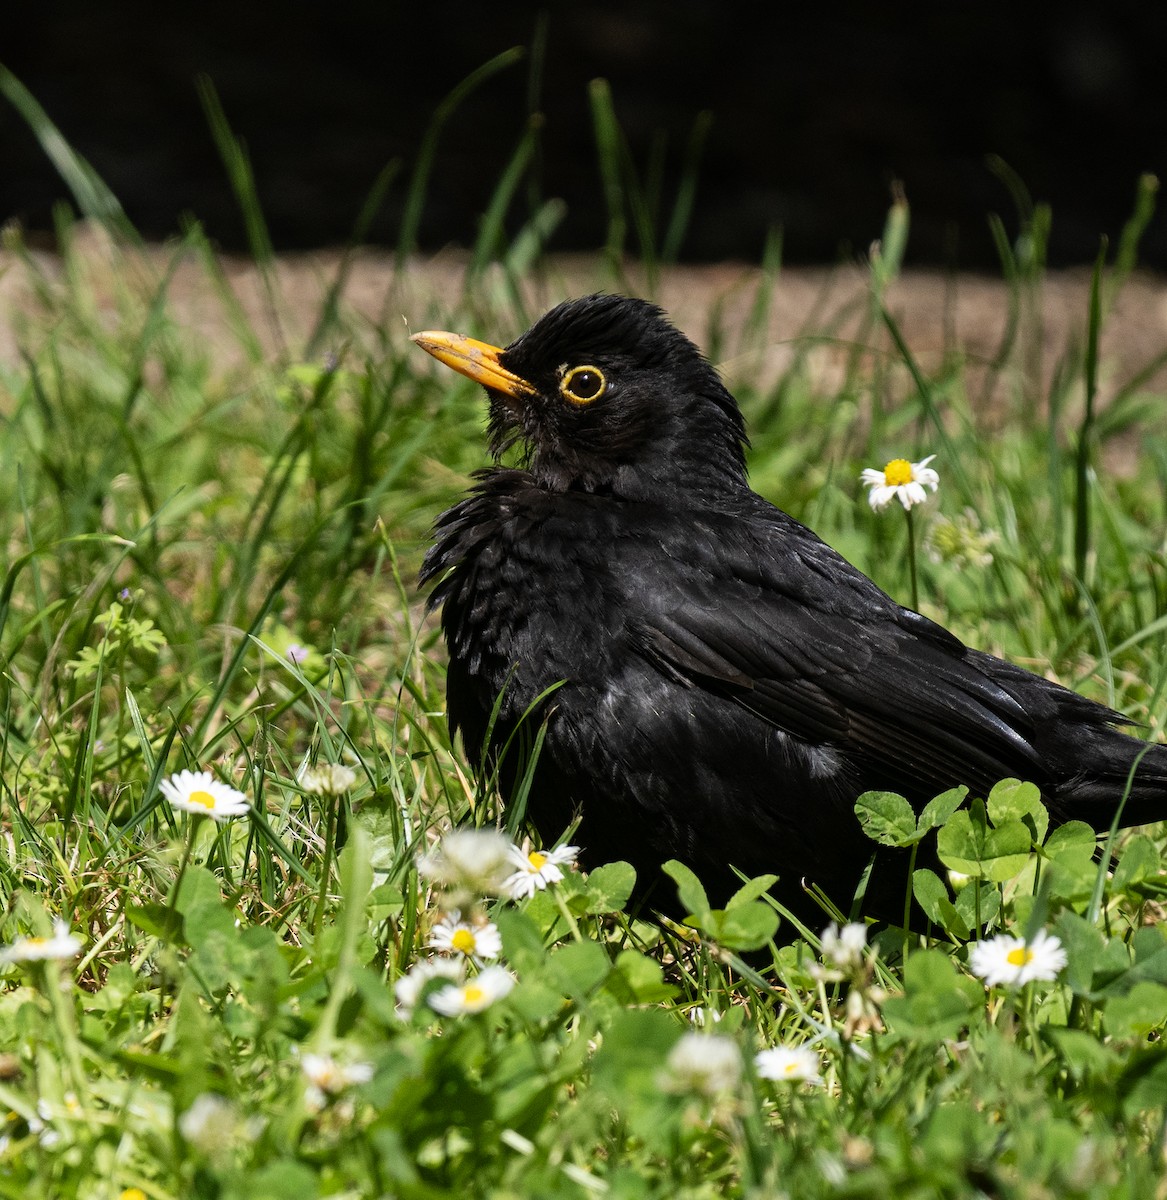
1013, 961
474, 995
452, 935
327, 779
210, 1124
843, 948
703, 1063
788, 1064
468, 861
201, 793
326, 1077
900, 480
62, 944
536, 869
408, 988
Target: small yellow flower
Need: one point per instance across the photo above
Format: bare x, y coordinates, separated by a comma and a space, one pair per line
474, 995
536, 869
1013, 961
900, 480
452, 935
408, 987
62, 944
201, 793
788, 1064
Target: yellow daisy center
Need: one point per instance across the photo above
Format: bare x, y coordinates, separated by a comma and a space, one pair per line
1022, 956
203, 798
537, 860
463, 941
36, 941
898, 472
790, 1068
473, 994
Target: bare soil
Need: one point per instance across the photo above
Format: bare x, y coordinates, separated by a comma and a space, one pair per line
817, 312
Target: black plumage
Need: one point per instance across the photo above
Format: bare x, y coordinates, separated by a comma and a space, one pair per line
730, 684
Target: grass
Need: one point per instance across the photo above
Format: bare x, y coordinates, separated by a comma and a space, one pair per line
211, 566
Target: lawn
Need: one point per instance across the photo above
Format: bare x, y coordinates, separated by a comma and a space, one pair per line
287, 977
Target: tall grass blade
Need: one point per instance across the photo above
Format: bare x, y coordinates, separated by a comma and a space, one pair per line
93, 197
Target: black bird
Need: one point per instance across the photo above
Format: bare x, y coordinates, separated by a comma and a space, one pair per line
729, 683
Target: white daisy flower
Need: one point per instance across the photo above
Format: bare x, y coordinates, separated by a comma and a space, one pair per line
900, 480
324, 1072
201, 793
210, 1124
452, 935
536, 869
474, 995
62, 944
843, 948
703, 1063
468, 862
326, 1077
327, 779
407, 989
788, 1064
1013, 962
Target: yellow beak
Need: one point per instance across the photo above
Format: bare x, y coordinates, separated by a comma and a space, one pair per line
476, 360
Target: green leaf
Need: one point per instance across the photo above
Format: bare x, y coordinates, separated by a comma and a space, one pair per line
577, 968
933, 898
638, 979
157, 920
633, 1052
1085, 948
887, 818
938, 1001
941, 807
608, 887
1013, 800
1143, 1084
522, 943
689, 889
1137, 1014
752, 890
970, 847
978, 904
1074, 842
1073, 871
743, 927
1083, 1055
1140, 863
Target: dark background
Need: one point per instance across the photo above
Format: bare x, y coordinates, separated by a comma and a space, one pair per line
817, 109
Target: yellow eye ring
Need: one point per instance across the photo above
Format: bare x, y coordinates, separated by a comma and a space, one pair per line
582, 385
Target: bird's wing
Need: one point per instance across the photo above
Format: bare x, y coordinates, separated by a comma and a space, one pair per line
804, 640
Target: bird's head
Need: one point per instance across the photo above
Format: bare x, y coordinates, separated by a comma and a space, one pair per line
606, 395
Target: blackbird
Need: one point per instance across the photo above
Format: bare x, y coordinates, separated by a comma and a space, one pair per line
728, 684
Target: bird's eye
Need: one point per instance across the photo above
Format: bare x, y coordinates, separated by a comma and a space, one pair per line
582, 385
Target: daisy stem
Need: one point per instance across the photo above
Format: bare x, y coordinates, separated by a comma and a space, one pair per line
912, 559
568, 916
66, 1021
326, 863
911, 864
191, 829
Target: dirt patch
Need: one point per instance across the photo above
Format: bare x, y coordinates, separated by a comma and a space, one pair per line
817, 312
